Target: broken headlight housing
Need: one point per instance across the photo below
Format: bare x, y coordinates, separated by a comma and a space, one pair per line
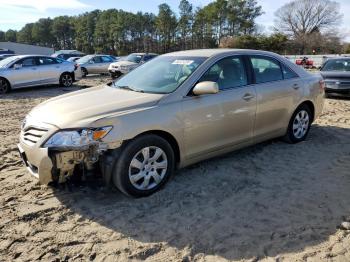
77, 138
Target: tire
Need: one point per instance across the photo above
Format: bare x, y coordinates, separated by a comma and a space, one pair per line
66, 80
115, 75
84, 72
134, 175
299, 125
5, 86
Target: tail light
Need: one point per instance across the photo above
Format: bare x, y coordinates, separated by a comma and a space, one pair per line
322, 86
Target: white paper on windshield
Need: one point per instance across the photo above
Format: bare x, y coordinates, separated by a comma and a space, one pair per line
183, 62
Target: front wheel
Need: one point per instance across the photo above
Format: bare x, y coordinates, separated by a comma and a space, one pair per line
144, 166
66, 80
4, 86
299, 125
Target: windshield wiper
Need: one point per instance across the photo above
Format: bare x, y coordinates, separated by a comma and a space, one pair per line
130, 88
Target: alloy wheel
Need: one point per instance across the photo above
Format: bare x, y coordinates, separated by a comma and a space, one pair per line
148, 167
301, 124
67, 80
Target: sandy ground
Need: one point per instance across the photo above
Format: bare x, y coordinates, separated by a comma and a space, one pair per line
270, 202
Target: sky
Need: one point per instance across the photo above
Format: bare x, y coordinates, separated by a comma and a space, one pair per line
14, 14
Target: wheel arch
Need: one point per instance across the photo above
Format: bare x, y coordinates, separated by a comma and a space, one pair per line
310, 105
8, 81
169, 138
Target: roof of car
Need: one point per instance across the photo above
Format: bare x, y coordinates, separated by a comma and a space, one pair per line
24, 56
213, 52
338, 58
143, 54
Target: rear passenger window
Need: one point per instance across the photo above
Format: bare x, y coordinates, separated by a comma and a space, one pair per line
266, 69
106, 59
97, 59
288, 73
47, 61
228, 73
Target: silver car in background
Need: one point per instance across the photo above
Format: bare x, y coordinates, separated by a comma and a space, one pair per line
129, 63
34, 70
95, 64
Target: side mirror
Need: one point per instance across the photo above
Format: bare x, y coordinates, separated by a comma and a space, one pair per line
91, 62
17, 66
206, 88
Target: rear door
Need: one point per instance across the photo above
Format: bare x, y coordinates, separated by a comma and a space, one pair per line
27, 74
278, 91
49, 70
106, 61
95, 65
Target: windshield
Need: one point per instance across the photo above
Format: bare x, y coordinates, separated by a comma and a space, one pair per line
337, 65
133, 58
161, 75
5, 62
84, 59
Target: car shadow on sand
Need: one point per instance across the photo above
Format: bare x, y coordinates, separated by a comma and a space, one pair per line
265, 200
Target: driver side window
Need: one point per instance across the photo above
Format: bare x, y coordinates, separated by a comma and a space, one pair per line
27, 62
227, 73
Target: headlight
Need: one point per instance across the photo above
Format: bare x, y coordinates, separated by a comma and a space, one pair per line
77, 137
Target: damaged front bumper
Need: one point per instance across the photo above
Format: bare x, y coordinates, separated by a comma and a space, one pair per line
59, 163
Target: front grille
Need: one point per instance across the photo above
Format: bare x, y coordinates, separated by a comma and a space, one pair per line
32, 135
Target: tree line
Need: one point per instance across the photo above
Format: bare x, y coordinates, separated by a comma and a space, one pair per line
221, 23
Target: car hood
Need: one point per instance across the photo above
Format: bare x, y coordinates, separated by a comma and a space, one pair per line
335, 74
82, 108
124, 63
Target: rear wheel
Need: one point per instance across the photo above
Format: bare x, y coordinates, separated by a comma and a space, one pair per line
66, 80
144, 166
4, 86
299, 125
84, 72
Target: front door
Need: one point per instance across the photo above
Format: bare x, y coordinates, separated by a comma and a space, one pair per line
25, 73
218, 121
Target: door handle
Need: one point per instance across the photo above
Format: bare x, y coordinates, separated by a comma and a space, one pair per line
248, 97
296, 86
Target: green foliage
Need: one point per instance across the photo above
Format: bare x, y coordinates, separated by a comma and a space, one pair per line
119, 32
276, 42
2, 36
25, 35
11, 36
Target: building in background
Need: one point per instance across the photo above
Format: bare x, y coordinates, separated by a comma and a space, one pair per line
24, 49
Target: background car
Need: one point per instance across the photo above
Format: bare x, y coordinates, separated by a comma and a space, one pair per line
2, 57
95, 64
336, 73
73, 59
129, 63
33, 70
65, 54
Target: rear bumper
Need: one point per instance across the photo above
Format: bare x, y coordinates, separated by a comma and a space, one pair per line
37, 162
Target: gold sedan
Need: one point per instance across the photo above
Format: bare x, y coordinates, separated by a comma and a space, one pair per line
177, 109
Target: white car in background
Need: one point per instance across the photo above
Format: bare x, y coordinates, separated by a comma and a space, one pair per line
34, 70
129, 63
